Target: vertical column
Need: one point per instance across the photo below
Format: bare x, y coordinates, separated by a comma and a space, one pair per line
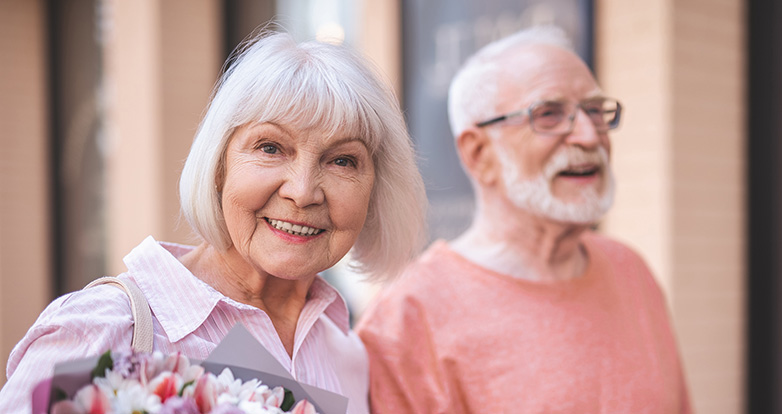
191, 57
633, 63
380, 38
162, 59
133, 125
708, 220
24, 172
679, 162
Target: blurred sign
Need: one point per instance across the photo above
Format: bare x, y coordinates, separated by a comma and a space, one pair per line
438, 36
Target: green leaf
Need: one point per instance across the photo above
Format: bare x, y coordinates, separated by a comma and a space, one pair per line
287, 401
104, 362
182, 390
58, 395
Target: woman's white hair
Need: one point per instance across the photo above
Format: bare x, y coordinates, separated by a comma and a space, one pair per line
472, 96
329, 88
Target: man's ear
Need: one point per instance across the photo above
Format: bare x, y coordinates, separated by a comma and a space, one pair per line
478, 154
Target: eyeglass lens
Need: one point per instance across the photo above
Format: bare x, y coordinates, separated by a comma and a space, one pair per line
558, 117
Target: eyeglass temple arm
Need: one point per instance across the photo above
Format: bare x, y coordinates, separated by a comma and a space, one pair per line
499, 118
617, 114
491, 121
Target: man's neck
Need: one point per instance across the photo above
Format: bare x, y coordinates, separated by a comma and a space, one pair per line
525, 246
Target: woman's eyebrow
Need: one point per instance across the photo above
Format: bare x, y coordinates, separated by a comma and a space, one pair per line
346, 140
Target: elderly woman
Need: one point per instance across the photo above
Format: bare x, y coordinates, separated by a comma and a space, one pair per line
302, 156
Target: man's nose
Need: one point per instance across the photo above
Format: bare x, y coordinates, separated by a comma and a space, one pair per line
303, 186
584, 131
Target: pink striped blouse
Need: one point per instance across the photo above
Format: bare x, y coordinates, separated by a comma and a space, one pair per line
191, 317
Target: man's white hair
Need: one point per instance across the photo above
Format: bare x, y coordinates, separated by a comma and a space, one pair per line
472, 96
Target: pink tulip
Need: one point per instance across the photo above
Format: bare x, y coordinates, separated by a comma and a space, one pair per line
150, 368
88, 400
303, 407
177, 363
205, 394
275, 397
66, 407
95, 401
165, 386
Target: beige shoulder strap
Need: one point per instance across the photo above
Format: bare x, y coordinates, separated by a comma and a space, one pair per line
142, 316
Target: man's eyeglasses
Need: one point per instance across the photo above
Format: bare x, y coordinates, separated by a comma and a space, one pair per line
558, 117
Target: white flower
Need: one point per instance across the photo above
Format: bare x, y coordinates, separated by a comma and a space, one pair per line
134, 399
233, 390
256, 407
112, 382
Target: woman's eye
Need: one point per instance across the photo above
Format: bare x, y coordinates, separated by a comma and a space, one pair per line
269, 148
344, 162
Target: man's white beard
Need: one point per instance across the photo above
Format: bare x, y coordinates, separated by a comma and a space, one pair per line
535, 195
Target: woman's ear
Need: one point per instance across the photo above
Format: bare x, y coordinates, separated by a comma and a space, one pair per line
220, 169
219, 179
478, 154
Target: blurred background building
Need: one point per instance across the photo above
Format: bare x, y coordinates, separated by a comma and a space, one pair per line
100, 99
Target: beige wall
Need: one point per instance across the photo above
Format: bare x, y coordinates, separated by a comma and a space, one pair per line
161, 63
380, 40
24, 181
679, 159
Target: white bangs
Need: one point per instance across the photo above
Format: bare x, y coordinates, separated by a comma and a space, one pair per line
308, 96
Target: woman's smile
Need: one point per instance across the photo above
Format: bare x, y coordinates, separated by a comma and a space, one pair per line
292, 228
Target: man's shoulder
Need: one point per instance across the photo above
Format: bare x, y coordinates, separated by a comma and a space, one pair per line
620, 258
430, 265
418, 285
615, 249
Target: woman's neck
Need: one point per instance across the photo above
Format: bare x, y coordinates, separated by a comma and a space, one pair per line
228, 273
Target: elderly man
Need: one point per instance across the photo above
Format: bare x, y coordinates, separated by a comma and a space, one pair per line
528, 311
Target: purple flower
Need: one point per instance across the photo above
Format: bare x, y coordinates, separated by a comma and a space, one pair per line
227, 408
129, 365
179, 405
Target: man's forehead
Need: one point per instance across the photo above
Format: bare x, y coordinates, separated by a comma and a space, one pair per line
536, 53
545, 72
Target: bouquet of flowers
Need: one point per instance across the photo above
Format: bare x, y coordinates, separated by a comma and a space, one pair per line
160, 384
239, 377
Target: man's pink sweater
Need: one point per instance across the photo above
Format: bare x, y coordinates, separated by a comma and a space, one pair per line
453, 337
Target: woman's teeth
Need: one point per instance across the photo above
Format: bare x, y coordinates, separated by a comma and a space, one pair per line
293, 229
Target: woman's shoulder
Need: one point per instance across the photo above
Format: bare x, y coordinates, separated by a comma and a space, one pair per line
96, 312
90, 302
78, 324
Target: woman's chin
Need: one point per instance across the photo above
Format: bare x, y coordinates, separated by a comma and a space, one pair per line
293, 272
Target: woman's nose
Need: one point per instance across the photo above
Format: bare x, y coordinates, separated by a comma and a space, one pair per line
303, 186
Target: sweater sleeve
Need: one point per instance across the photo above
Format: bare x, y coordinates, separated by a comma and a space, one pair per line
405, 374
77, 325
